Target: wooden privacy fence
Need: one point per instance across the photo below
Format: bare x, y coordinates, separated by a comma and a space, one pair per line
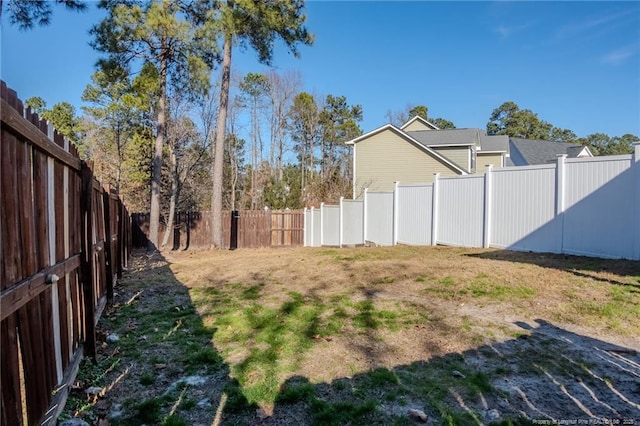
64, 241
256, 228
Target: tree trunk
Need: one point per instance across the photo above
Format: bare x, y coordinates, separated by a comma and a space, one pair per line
234, 171
280, 165
273, 137
174, 196
218, 157
120, 159
156, 174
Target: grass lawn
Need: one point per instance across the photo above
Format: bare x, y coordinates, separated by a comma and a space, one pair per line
360, 336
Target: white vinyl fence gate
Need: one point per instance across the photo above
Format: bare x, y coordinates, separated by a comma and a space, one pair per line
583, 206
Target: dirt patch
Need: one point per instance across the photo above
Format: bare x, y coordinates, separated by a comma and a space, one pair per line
360, 336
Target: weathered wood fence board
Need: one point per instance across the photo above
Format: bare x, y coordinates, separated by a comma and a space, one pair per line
256, 228
61, 236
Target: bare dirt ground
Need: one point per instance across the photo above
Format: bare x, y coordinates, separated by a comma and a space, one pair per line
465, 336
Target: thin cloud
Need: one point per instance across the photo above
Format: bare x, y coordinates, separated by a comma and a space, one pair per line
506, 31
598, 25
620, 56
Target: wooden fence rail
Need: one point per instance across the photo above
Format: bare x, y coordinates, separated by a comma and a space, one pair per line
256, 228
63, 242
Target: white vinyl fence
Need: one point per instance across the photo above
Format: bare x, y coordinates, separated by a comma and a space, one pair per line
585, 206
378, 218
352, 222
415, 212
461, 211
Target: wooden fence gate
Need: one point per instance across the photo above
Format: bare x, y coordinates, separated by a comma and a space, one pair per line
64, 240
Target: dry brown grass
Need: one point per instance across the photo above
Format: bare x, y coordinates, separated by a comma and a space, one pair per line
464, 297
569, 289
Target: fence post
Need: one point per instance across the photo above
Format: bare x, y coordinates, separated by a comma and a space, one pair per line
233, 230
635, 165
341, 223
109, 255
488, 199
560, 198
321, 224
394, 239
434, 210
86, 264
304, 228
52, 242
313, 227
122, 235
364, 216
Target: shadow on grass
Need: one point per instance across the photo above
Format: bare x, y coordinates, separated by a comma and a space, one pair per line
158, 364
547, 374
580, 266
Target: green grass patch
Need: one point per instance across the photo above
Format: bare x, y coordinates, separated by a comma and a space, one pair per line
341, 413
275, 338
147, 379
148, 411
296, 393
447, 281
381, 377
236, 401
174, 420
484, 286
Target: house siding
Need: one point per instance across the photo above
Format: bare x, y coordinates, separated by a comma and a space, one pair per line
458, 155
485, 159
384, 158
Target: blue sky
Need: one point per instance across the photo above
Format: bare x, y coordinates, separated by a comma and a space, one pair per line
576, 64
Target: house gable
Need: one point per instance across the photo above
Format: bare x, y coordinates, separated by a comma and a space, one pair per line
578, 152
418, 123
387, 155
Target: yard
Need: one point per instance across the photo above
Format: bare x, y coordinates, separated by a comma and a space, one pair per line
362, 336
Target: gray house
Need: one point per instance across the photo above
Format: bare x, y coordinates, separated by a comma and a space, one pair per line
528, 152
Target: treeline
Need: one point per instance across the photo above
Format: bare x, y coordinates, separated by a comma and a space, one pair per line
284, 147
172, 48
508, 119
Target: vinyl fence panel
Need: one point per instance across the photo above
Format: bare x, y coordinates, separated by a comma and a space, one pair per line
316, 234
379, 214
308, 234
414, 214
523, 209
461, 211
599, 210
330, 225
353, 225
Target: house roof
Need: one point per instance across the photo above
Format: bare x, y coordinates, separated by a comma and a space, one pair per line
421, 120
526, 152
462, 137
446, 137
410, 139
493, 144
